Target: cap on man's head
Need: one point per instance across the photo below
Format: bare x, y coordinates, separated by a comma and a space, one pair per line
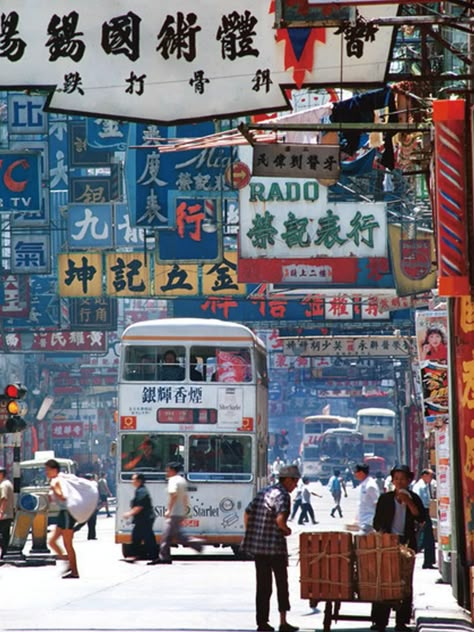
289, 471
3, 470
362, 467
402, 468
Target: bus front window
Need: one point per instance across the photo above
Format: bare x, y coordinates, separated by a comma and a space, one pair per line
220, 457
150, 452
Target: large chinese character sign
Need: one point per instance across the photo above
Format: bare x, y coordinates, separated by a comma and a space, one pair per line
165, 61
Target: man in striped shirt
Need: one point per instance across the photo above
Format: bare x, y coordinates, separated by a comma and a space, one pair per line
265, 532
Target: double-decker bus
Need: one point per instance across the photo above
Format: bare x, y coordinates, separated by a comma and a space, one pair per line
314, 427
193, 391
378, 427
339, 449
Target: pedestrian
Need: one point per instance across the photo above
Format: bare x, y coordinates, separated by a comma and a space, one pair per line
143, 516
368, 496
6, 510
296, 504
427, 542
104, 494
65, 526
336, 486
397, 512
306, 507
266, 528
174, 516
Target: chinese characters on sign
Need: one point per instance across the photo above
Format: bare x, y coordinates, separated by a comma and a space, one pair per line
212, 52
374, 346
296, 161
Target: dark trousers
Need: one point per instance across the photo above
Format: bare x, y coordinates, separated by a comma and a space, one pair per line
91, 527
381, 613
265, 565
427, 541
306, 510
143, 532
5, 525
296, 505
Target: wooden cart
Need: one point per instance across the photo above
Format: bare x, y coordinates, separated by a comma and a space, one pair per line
338, 566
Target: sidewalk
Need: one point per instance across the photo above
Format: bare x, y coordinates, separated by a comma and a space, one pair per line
436, 609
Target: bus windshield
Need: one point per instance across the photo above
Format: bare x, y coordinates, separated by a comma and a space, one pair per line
150, 452
346, 446
220, 457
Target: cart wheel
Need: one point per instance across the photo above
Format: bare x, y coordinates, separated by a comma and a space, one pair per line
327, 617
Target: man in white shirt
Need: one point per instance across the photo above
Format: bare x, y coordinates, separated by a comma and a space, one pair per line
368, 495
175, 514
6, 510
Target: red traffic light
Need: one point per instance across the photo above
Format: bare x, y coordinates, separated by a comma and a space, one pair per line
15, 391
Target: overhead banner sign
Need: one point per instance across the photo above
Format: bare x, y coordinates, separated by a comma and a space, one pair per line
348, 346
160, 62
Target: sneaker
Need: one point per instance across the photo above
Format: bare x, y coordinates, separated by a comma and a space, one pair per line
70, 576
401, 627
287, 627
266, 627
159, 561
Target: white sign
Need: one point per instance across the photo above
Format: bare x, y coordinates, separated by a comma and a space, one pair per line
167, 62
297, 161
280, 219
349, 346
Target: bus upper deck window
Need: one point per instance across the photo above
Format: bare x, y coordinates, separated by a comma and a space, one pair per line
171, 369
233, 366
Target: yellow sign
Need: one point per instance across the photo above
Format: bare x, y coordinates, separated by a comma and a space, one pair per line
80, 274
176, 280
220, 279
128, 274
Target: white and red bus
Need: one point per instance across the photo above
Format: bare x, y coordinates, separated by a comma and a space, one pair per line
378, 426
194, 391
314, 427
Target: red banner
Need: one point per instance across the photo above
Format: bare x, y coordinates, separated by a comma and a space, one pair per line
464, 379
450, 197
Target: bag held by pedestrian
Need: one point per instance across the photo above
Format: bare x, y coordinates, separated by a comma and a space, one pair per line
81, 496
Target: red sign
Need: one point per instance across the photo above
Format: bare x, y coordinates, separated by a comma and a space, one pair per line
237, 175
128, 422
322, 270
67, 430
464, 380
57, 341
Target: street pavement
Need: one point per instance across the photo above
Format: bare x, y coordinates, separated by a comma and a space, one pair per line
211, 591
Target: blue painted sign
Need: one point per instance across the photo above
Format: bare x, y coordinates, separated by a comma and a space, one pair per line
197, 236
184, 191
80, 155
90, 226
93, 313
30, 254
106, 134
20, 182
90, 189
58, 146
26, 115
43, 307
127, 235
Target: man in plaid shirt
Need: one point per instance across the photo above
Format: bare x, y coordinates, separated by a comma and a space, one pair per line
265, 532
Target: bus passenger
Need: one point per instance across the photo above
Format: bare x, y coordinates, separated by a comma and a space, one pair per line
170, 369
145, 459
196, 376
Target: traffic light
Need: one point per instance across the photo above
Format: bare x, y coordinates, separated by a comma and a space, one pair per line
15, 408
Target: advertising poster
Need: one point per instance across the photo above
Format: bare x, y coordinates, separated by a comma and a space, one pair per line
431, 340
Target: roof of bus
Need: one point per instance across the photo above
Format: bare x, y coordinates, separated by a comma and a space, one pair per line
376, 411
189, 330
330, 418
342, 431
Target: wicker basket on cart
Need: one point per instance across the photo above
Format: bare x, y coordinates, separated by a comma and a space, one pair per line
384, 568
327, 566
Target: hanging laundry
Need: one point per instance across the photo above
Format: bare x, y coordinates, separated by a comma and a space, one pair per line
361, 109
